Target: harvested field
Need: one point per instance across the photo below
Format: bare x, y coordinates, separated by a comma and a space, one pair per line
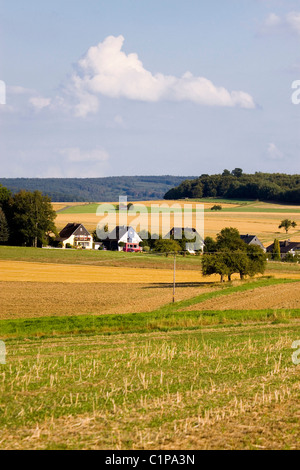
277, 297
46, 272
34, 299
234, 388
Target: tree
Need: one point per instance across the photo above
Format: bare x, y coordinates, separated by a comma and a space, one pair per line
287, 224
229, 255
214, 263
276, 255
31, 219
4, 232
237, 172
229, 240
167, 246
5, 195
257, 261
210, 245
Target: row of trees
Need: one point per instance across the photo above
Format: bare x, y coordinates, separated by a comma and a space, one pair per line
236, 184
26, 218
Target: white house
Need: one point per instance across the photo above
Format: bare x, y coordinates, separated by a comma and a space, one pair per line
196, 242
76, 235
124, 235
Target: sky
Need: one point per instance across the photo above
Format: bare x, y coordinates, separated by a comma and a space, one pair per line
149, 87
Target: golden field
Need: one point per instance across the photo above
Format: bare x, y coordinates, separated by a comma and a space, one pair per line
74, 274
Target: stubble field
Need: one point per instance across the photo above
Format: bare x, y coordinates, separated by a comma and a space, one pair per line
98, 357
229, 388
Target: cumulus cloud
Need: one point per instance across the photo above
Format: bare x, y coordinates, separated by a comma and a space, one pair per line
107, 70
20, 90
293, 20
288, 22
274, 153
38, 102
272, 20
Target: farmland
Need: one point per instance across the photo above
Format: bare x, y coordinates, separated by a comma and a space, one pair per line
259, 218
98, 356
228, 388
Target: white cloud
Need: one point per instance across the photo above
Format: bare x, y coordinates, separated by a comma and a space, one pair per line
288, 22
272, 20
293, 20
274, 153
20, 90
39, 102
107, 70
75, 155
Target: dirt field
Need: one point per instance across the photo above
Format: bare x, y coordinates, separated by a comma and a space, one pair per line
34, 299
277, 297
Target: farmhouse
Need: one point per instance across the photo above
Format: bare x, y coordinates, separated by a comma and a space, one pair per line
286, 247
252, 240
76, 235
194, 241
123, 238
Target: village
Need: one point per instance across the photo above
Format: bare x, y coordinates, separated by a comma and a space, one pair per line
125, 238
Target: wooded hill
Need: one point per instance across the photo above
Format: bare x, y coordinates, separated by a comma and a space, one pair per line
97, 189
275, 187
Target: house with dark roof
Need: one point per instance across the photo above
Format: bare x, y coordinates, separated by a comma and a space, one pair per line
252, 240
123, 238
76, 235
194, 241
286, 247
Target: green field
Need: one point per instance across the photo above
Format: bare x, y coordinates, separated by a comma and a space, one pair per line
98, 258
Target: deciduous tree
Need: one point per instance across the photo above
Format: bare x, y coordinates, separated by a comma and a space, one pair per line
287, 224
32, 219
4, 232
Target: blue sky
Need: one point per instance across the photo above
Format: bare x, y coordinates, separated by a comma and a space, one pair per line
122, 87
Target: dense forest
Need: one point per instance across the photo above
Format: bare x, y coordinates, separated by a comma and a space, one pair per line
96, 189
275, 187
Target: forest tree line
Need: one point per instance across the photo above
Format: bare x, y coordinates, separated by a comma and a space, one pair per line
277, 187
136, 188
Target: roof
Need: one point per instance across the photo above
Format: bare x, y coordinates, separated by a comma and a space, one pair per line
70, 230
120, 230
285, 246
248, 238
184, 231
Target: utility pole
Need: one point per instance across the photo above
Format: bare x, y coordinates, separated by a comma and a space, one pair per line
174, 278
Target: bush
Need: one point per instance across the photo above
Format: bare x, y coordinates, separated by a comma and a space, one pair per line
216, 208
